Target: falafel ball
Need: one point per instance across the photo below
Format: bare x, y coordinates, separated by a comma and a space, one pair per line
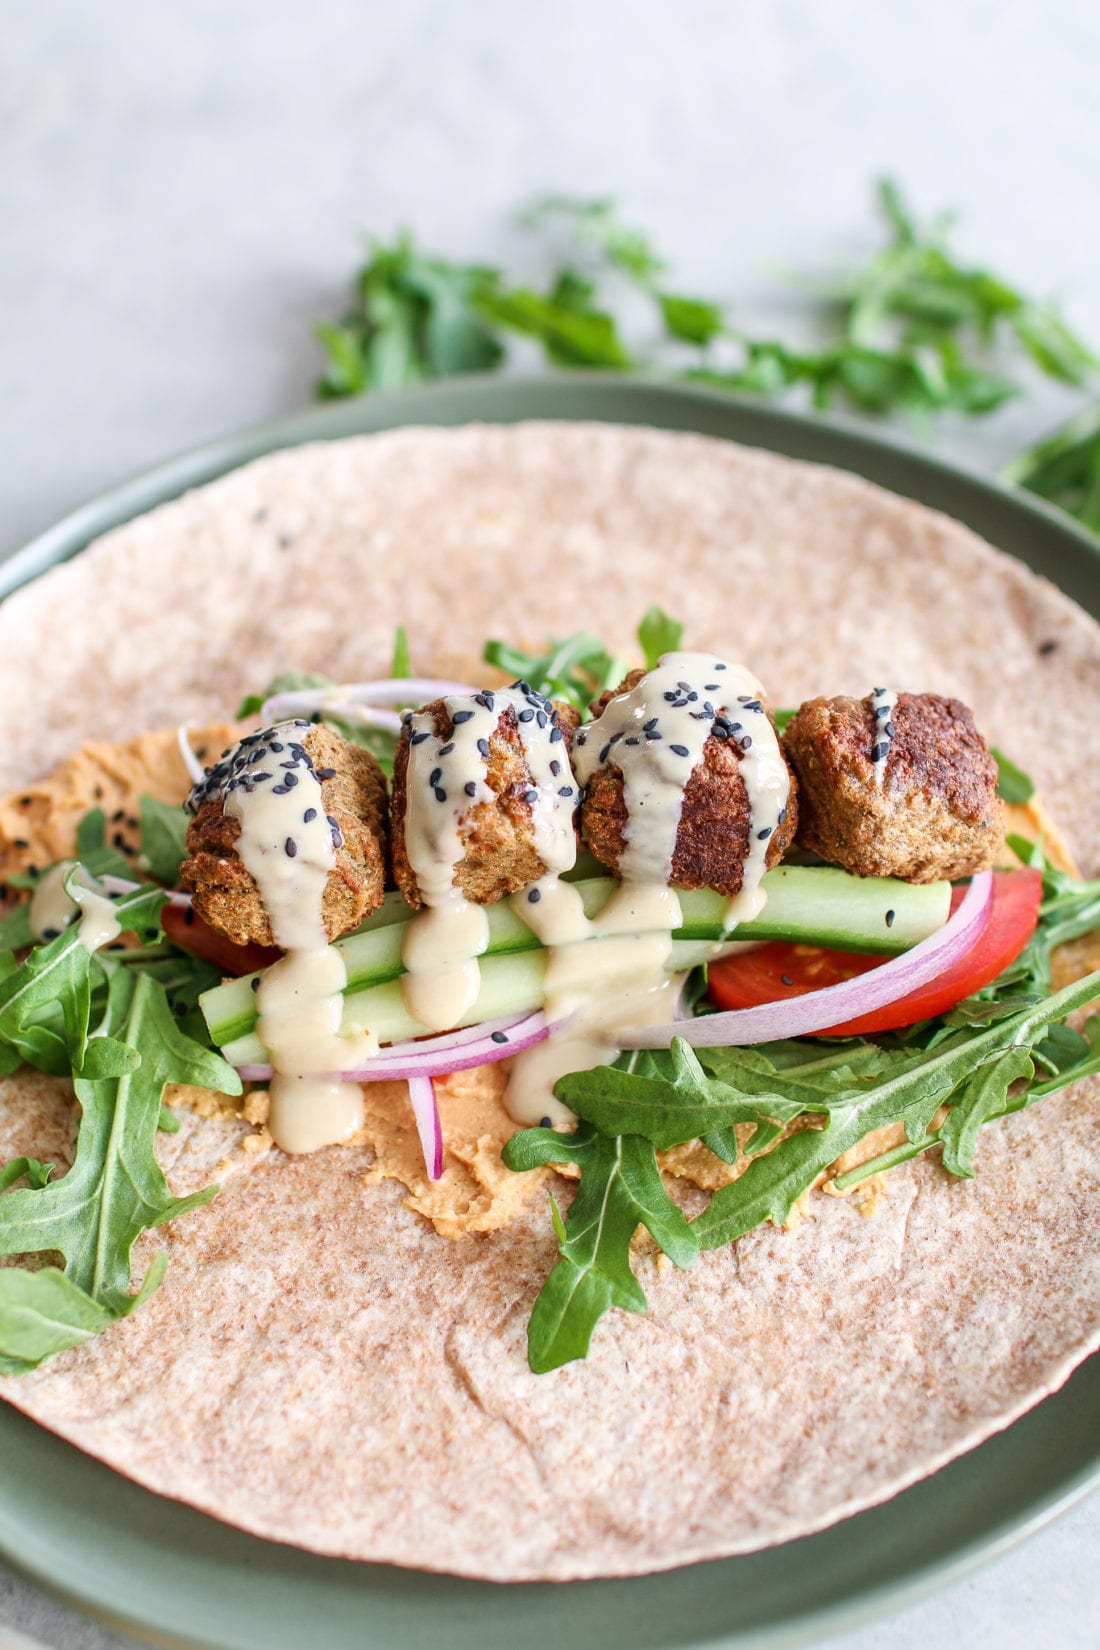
931, 809
522, 738
353, 793
714, 835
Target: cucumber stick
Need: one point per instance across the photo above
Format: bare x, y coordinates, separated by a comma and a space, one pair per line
808, 904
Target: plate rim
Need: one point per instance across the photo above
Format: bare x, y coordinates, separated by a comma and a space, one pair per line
842, 443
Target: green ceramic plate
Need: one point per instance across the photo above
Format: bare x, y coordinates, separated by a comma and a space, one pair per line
168, 1572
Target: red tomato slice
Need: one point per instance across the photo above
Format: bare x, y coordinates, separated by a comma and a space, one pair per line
779, 970
186, 929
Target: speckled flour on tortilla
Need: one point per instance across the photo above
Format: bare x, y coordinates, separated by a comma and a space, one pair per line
321, 1366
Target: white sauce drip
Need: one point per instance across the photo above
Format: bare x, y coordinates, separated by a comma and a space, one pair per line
53, 907
447, 777
883, 701
289, 844
610, 972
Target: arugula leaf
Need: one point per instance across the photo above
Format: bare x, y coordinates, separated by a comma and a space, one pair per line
984, 1098
1013, 784
967, 1065
657, 635
1065, 467
44, 1311
571, 335
99, 857
414, 318
163, 839
620, 1189
675, 1103
115, 1187
45, 1002
36, 1174
576, 669
402, 664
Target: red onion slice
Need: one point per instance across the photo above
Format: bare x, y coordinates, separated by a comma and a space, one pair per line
480, 1045
428, 1126
397, 690
833, 1004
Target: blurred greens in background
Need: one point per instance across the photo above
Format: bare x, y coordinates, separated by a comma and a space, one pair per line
911, 331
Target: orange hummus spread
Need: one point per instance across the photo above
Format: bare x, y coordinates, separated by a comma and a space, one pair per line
476, 1192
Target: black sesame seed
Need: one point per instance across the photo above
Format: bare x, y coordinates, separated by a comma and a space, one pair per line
889, 730
526, 716
890, 915
151, 933
309, 816
544, 1123
565, 790
531, 796
542, 719
329, 773
782, 815
118, 839
255, 983
711, 687
435, 776
746, 742
1046, 648
500, 1037
555, 735
719, 666
461, 716
720, 730
179, 1010
471, 788
188, 917
276, 790
672, 697
291, 847
879, 751
418, 738
762, 836
652, 723
555, 768
483, 748
119, 813
605, 753
290, 781
276, 745
52, 933
785, 979
679, 750
440, 794
653, 735
445, 750
634, 741
335, 823
534, 896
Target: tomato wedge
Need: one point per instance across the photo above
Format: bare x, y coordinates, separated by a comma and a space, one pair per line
778, 970
186, 929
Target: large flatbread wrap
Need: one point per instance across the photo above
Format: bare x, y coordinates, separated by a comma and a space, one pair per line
320, 1366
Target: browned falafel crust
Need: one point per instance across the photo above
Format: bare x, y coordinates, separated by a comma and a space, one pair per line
937, 813
498, 836
225, 894
712, 841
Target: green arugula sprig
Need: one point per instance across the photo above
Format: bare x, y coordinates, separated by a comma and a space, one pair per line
846, 1091
912, 330
579, 668
122, 1023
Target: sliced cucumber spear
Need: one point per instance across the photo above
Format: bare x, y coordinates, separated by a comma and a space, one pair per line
808, 904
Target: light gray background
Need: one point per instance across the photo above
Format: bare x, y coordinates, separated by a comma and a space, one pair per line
183, 188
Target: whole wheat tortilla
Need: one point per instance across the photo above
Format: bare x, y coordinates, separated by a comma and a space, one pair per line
320, 1366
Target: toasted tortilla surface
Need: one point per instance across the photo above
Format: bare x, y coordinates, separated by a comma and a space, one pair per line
321, 1366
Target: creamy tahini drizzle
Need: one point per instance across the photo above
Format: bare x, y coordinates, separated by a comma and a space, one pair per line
447, 777
287, 842
53, 907
883, 701
609, 972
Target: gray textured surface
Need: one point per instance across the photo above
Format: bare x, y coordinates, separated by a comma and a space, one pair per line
181, 194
